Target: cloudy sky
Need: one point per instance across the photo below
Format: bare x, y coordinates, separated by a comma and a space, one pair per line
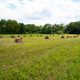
40, 12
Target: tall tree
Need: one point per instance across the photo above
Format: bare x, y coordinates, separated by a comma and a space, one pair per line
47, 29
12, 27
22, 28
3, 26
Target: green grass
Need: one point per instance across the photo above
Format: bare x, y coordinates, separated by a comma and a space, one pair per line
40, 59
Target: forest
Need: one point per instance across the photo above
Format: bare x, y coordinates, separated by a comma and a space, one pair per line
13, 27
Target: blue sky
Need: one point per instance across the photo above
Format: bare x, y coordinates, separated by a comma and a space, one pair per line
40, 12
11, 6
76, 0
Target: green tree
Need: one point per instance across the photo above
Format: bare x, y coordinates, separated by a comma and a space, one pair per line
40, 28
57, 27
73, 28
31, 28
47, 29
12, 27
3, 26
22, 28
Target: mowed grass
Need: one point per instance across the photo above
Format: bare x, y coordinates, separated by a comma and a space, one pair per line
40, 59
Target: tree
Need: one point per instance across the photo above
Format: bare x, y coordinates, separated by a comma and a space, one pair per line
40, 28
57, 27
73, 28
47, 29
22, 28
31, 28
12, 27
3, 26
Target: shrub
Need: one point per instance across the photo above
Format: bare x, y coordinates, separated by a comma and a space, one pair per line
59, 32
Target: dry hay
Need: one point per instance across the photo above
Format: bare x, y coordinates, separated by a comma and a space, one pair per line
12, 36
18, 35
70, 36
31, 35
47, 37
37, 35
1, 36
41, 35
18, 40
25, 35
67, 37
75, 36
68, 60
62, 37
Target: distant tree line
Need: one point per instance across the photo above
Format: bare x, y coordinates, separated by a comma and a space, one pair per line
13, 27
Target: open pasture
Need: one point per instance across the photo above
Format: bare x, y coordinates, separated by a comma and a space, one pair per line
38, 58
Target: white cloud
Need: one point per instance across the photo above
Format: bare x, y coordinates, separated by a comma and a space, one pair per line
40, 12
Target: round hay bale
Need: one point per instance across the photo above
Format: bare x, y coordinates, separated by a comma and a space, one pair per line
18, 40
12, 36
1, 36
62, 37
47, 37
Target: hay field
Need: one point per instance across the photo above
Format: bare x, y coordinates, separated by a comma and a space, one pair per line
39, 58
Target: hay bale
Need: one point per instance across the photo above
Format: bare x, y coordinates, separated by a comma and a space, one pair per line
31, 35
53, 34
1, 36
41, 35
62, 37
12, 36
37, 35
68, 60
75, 36
70, 36
67, 37
25, 35
18, 40
18, 35
47, 37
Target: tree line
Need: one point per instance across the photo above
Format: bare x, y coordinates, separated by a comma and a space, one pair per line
13, 27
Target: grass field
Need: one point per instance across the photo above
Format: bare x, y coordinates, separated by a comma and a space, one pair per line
40, 59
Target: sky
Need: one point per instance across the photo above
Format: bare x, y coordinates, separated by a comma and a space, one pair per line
40, 12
